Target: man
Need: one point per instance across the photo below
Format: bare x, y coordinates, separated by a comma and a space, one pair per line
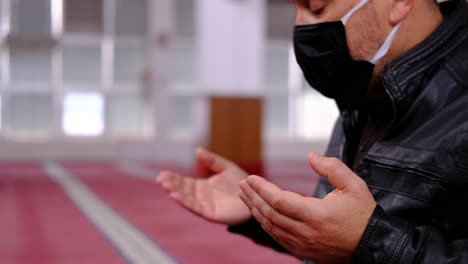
398, 70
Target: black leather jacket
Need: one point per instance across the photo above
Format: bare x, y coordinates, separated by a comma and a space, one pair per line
418, 171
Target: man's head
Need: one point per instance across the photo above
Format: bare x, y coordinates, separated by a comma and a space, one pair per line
369, 27
342, 46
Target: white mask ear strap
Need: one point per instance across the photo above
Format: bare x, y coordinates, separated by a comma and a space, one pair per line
385, 46
352, 11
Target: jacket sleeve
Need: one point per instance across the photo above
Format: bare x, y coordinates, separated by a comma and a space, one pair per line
253, 230
389, 239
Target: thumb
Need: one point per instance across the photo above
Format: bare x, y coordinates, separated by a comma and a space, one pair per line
211, 160
336, 172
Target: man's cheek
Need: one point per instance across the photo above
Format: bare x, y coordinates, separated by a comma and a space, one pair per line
361, 42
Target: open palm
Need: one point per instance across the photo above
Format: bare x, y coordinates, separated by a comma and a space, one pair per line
216, 198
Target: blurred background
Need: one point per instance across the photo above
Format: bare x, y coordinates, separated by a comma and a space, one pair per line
97, 96
134, 77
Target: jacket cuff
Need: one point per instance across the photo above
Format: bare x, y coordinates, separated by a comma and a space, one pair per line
383, 240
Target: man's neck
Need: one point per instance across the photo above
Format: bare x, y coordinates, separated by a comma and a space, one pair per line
418, 26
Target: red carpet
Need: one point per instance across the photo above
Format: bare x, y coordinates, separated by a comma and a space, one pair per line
186, 237
39, 224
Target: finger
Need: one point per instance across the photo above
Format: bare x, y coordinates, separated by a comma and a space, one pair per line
186, 193
244, 198
211, 160
336, 172
164, 176
183, 191
283, 236
188, 188
267, 190
176, 184
289, 204
255, 202
170, 181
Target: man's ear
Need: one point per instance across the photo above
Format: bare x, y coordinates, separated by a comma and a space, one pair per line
399, 10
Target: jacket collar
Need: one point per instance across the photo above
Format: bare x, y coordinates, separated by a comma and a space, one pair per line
401, 77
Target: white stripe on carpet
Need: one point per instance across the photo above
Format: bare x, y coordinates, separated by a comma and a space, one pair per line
130, 242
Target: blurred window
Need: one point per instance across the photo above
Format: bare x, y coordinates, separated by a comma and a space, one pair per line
83, 114
27, 115
84, 16
182, 114
75, 68
128, 115
30, 17
131, 17
130, 63
31, 64
82, 64
185, 95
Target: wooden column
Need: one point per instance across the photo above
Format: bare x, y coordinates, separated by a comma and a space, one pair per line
236, 131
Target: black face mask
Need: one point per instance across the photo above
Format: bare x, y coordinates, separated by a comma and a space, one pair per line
323, 55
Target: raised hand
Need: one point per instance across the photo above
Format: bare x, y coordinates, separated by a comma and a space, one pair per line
324, 231
215, 198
